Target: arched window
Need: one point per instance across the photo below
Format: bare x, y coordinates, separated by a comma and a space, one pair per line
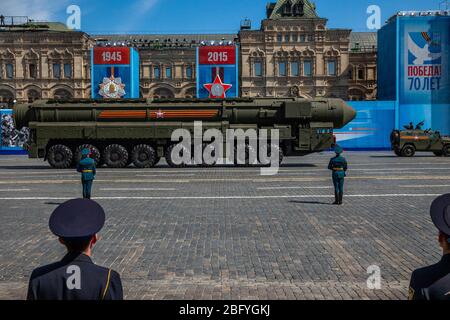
33, 95
298, 9
163, 93
287, 9
6, 96
355, 94
191, 93
62, 94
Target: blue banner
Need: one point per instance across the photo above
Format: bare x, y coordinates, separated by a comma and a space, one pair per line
371, 128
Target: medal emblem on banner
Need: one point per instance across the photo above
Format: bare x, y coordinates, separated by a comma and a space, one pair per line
112, 88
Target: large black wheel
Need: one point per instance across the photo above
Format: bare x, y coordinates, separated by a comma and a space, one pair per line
244, 158
397, 152
272, 148
446, 150
95, 153
60, 156
115, 156
144, 156
169, 157
210, 150
408, 151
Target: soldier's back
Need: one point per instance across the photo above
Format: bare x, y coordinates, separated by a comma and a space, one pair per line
75, 277
426, 277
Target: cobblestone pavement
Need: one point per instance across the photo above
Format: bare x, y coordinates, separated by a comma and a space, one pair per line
230, 233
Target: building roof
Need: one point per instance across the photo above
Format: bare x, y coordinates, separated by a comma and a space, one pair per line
309, 9
35, 26
363, 41
164, 40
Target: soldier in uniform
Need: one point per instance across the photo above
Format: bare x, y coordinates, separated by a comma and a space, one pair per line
86, 167
410, 126
433, 282
338, 165
76, 277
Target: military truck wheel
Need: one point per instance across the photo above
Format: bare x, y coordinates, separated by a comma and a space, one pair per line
408, 151
244, 158
275, 149
446, 150
438, 153
144, 156
170, 161
210, 150
60, 156
115, 156
95, 153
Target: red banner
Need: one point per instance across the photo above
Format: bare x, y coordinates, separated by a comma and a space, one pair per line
111, 55
212, 55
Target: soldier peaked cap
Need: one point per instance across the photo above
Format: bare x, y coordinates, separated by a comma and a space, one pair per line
77, 218
440, 213
338, 149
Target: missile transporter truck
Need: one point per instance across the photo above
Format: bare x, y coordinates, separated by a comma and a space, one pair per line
405, 143
139, 132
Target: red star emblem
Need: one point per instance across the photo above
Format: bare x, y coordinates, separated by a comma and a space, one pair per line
217, 89
159, 114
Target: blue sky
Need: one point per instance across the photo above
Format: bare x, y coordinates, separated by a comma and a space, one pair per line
196, 16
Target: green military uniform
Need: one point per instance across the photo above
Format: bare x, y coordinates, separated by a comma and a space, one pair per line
338, 165
86, 167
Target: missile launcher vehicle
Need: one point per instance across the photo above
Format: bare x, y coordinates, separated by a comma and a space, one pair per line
138, 131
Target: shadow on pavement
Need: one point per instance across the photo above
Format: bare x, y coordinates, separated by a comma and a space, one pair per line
162, 166
43, 167
311, 202
416, 156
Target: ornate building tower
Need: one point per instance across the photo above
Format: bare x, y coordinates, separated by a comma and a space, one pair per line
294, 54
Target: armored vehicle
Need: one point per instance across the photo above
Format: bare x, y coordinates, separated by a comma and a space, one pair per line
405, 143
138, 131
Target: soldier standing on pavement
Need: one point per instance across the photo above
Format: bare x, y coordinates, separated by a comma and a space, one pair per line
433, 282
76, 277
86, 167
338, 166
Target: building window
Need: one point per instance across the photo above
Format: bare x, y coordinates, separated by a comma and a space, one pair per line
32, 70
56, 71
157, 73
331, 66
307, 68
68, 70
294, 38
169, 73
279, 38
294, 69
302, 38
360, 74
258, 69
189, 72
282, 69
287, 10
9, 71
287, 38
